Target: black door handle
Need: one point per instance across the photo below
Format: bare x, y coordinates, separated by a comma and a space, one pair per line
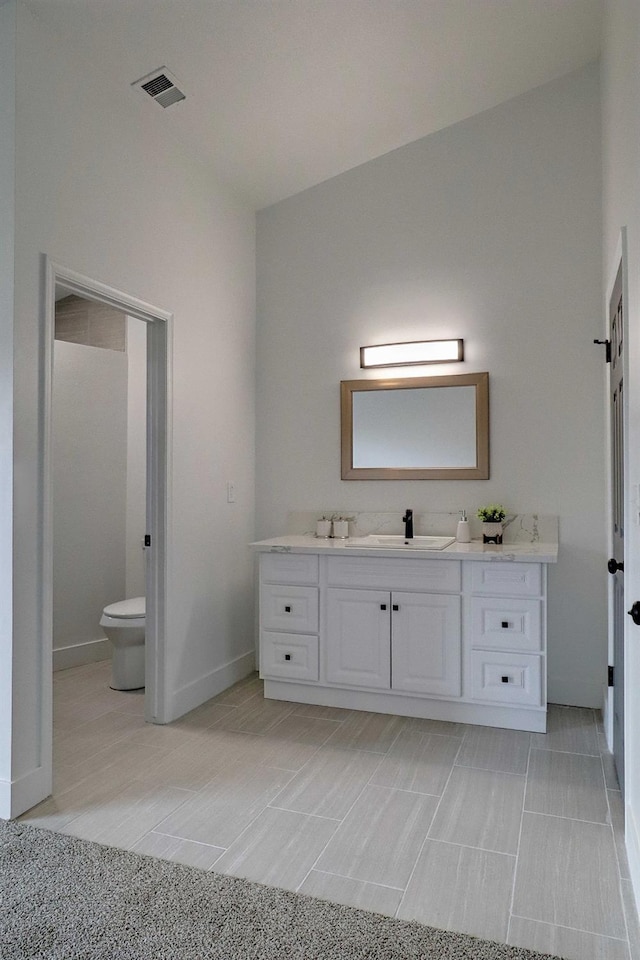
634, 613
613, 566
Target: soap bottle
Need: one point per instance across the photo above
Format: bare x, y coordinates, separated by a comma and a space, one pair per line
463, 533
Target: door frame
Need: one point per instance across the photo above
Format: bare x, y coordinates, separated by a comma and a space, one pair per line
619, 259
159, 457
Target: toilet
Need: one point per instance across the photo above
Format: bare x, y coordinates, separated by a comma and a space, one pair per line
124, 625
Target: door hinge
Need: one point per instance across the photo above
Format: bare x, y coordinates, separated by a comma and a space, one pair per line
610, 680
147, 539
607, 345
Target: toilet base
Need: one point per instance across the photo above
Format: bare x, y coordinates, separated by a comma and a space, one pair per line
127, 667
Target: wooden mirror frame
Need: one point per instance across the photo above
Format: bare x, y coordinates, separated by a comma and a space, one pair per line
481, 470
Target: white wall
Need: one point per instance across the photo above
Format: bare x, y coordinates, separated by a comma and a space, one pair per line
89, 440
489, 230
104, 189
7, 227
621, 166
136, 456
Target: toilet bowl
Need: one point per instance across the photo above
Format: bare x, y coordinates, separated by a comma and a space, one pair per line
124, 625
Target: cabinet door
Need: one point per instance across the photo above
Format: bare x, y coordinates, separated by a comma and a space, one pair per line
426, 644
358, 638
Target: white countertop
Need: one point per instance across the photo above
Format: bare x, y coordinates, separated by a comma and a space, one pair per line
476, 550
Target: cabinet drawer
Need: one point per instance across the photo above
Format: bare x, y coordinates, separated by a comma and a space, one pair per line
289, 567
290, 609
507, 623
507, 579
507, 678
288, 656
439, 576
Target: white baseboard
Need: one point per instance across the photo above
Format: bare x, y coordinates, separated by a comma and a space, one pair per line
607, 715
191, 695
456, 711
21, 794
632, 841
78, 653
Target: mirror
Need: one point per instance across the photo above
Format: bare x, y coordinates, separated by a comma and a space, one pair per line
419, 428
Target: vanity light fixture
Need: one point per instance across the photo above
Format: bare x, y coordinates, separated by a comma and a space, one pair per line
406, 354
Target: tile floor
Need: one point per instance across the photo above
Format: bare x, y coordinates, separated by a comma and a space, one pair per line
511, 836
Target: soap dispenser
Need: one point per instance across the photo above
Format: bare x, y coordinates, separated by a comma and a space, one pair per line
463, 533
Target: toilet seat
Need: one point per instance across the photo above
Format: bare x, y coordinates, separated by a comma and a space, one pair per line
126, 609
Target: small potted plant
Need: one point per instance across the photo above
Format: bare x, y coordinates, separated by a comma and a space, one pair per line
492, 516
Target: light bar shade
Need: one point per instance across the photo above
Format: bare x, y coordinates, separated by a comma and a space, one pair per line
406, 354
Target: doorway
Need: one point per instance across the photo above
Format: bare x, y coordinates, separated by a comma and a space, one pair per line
99, 482
158, 449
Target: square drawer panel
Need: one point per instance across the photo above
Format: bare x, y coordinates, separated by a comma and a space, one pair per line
287, 656
506, 579
507, 623
405, 573
291, 609
289, 567
507, 678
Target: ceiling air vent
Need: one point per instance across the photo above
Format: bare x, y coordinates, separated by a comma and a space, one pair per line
162, 86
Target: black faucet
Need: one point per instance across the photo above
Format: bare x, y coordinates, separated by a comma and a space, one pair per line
408, 525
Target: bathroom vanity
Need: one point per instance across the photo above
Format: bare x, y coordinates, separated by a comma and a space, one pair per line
453, 634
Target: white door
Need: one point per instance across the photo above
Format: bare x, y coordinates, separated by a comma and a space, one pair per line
426, 644
358, 637
616, 561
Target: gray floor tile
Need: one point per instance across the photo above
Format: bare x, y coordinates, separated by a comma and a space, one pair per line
380, 839
570, 730
204, 717
122, 781
460, 888
86, 740
257, 715
200, 855
564, 942
491, 748
443, 727
313, 730
241, 692
480, 808
610, 773
70, 714
219, 812
268, 751
416, 761
351, 893
323, 713
124, 819
567, 874
616, 809
279, 848
367, 731
631, 915
125, 760
329, 783
566, 785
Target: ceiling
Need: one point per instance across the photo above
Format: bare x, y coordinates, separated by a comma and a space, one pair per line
283, 94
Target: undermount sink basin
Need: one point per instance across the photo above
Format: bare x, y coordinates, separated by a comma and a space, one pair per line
401, 543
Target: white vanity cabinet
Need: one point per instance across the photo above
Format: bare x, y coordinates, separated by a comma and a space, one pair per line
289, 616
423, 636
506, 632
393, 641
